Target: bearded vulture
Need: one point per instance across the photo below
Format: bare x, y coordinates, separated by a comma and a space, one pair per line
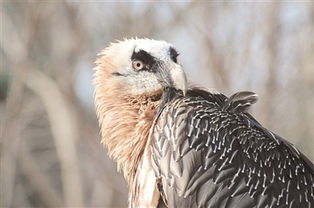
179, 146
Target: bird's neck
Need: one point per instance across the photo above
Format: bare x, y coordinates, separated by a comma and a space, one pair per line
125, 124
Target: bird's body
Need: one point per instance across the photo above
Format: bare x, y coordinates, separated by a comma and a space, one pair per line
190, 148
206, 156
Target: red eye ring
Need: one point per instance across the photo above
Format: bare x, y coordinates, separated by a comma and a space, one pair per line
137, 65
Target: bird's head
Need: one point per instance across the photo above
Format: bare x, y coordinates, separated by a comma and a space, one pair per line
140, 66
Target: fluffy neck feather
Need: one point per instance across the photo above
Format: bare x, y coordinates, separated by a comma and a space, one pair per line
125, 122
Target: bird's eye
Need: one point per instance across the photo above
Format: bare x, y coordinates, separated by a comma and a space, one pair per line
137, 65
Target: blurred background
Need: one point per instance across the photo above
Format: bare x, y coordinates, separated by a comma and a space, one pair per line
51, 154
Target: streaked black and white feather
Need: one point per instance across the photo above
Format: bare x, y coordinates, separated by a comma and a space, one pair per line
209, 152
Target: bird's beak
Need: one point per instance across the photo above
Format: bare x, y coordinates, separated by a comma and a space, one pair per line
172, 75
179, 78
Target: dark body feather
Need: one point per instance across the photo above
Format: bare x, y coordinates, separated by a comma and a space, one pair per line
209, 152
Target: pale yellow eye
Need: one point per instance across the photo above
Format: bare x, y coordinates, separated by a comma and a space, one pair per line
137, 65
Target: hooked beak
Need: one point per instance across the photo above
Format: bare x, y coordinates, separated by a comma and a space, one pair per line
179, 78
172, 76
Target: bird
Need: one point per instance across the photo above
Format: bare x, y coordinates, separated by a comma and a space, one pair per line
183, 146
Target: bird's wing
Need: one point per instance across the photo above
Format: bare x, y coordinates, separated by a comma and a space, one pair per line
204, 156
239, 102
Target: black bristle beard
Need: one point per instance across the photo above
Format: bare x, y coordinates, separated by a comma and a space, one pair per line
169, 94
